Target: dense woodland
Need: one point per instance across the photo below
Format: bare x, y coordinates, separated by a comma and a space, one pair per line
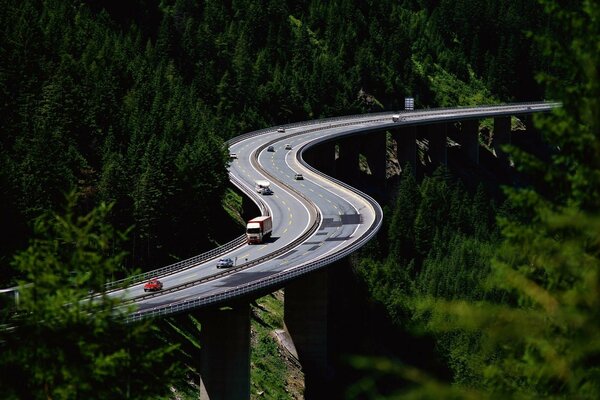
130, 103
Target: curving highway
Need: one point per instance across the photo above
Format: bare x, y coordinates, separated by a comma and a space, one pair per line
316, 220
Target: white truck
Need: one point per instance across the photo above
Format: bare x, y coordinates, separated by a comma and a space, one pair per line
258, 229
262, 186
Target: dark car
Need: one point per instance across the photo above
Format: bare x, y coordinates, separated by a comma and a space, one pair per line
225, 263
270, 148
298, 177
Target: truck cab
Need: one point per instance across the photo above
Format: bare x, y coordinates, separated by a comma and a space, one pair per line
258, 229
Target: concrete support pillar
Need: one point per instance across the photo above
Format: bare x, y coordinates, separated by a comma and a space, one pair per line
347, 166
501, 137
306, 314
225, 352
322, 157
436, 136
406, 146
469, 139
374, 148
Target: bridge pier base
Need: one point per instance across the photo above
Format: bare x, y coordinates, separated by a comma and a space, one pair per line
348, 168
501, 137
225, 352
436, 137
375, 150
322, 157
306, 314
406, 147
469, 139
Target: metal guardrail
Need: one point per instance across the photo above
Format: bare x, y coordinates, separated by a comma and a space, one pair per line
178, 266
279, 278
239, 241
191, 262
286, 275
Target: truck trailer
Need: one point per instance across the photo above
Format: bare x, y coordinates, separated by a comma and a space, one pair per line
258, 229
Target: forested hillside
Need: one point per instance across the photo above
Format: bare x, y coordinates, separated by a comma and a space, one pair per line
509, 294
131, 101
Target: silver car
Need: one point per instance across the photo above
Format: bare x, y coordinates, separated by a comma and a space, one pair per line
225, 263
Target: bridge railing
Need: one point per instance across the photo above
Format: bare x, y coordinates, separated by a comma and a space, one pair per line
193, 261
277, 279
458, 109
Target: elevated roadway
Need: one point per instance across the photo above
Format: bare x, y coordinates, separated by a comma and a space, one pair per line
316, 220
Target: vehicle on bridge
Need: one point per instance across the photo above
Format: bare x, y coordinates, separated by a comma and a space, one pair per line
263, 187
298, 177
153, 285
258, 229
288, 146
225, 263
281, 129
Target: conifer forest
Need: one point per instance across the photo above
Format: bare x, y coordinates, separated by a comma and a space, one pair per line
114, 122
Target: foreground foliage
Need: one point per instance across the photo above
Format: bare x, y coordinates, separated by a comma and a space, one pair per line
534, 334
62, 342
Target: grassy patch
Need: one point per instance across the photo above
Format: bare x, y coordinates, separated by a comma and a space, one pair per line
232, 204
270, 371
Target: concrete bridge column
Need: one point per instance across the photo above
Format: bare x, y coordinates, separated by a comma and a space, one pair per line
436, 136
347, 163
306, 314
225, 352
501, 137
322, 157
374, 148
406, 146
469, 139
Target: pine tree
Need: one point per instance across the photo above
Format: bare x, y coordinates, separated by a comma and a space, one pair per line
61, 342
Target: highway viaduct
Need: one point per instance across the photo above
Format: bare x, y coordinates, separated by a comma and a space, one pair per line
420, 137
317, 223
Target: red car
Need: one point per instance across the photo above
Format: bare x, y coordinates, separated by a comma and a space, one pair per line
153, 285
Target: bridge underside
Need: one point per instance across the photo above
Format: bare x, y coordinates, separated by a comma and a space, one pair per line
225, 335
423, 147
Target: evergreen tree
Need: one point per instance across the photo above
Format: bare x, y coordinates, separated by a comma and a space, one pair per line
538, 337
61, 342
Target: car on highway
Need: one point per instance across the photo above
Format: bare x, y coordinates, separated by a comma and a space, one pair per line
225, 263
266, 191
288, 146
232, 156
153, 285
298, 177
270, 148
281, 129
